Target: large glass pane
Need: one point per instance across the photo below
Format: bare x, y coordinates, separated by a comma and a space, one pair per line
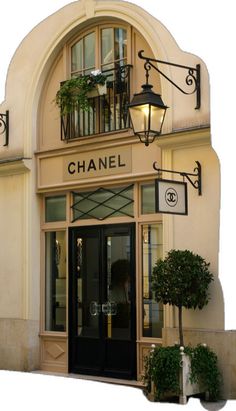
152, 251
77, 56
83, 55
55, 209
107, 46
118, 287
114, 49
89, 52
55, 281
148, 198
120, 49
88, 287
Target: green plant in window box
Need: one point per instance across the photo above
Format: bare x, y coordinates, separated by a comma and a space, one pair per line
75, 91
162, 372
182, 279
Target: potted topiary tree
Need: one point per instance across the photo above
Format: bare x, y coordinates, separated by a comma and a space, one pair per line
182, 279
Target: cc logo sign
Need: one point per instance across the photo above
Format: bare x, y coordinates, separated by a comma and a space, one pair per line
171, 197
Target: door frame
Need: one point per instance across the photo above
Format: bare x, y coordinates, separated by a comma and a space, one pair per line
104, 342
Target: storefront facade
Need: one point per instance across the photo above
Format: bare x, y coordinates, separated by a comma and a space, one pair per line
78, 194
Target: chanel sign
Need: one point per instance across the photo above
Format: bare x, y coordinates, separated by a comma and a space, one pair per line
98, 163
171, 197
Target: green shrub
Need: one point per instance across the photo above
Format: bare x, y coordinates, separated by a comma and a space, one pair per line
204, 370
74, 91
162, 368
182, 279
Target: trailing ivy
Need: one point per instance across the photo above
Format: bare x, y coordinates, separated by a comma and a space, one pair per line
74, 91
162, 368
204, 369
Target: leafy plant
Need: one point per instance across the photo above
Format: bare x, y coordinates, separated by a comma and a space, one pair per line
162, 368
74, 91
182, 279
204, 369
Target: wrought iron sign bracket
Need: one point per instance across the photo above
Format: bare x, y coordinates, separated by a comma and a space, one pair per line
197, 172
4, 126
193, 77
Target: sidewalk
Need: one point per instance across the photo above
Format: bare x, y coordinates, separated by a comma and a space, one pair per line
36, 392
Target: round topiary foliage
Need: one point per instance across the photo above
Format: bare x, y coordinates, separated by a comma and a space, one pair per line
182, 279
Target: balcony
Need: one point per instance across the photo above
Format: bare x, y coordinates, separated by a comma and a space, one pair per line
107, 112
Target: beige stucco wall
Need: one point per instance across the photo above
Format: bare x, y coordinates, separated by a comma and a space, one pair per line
19, 344
12, 250
20, 230
19, 270
199, 230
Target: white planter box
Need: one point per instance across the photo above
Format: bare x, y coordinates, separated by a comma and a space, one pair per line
186, 387
99, 90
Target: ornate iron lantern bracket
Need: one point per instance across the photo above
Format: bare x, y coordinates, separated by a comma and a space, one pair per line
196, 183
193, 77
4, 126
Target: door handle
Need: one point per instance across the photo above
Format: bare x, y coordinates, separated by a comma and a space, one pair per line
109, 308
94, 308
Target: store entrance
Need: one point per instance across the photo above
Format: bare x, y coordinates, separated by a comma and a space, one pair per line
102, 336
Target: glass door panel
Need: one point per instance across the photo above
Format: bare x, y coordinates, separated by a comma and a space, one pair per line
152, 250
87, 287
118, 286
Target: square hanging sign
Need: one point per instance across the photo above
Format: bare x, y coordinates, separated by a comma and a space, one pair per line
171, 197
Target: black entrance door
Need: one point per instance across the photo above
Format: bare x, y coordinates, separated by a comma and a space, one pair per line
102, 301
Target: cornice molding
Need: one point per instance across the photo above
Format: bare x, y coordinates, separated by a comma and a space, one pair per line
13, 166
185, 138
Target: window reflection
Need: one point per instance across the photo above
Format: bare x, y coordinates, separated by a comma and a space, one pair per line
152, 251
77, 56
88, 286
148, 198
114, 47
118, 287
55, 208
120, 48
55, 284
83, 55
107, 46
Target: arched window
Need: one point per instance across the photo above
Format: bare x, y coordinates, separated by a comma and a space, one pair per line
112, 52
102, 48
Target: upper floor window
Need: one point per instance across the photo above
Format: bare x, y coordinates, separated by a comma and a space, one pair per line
83, 55
114, 48
104, 48
112, 52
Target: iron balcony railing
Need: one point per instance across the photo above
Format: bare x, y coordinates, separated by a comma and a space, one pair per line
107, 112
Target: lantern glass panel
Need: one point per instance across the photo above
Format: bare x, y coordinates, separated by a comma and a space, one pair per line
156, 118
139, 116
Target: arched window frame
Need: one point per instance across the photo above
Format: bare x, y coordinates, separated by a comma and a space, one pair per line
108, 110
97, 29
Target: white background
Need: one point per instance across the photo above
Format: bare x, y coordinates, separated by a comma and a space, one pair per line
207, 29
